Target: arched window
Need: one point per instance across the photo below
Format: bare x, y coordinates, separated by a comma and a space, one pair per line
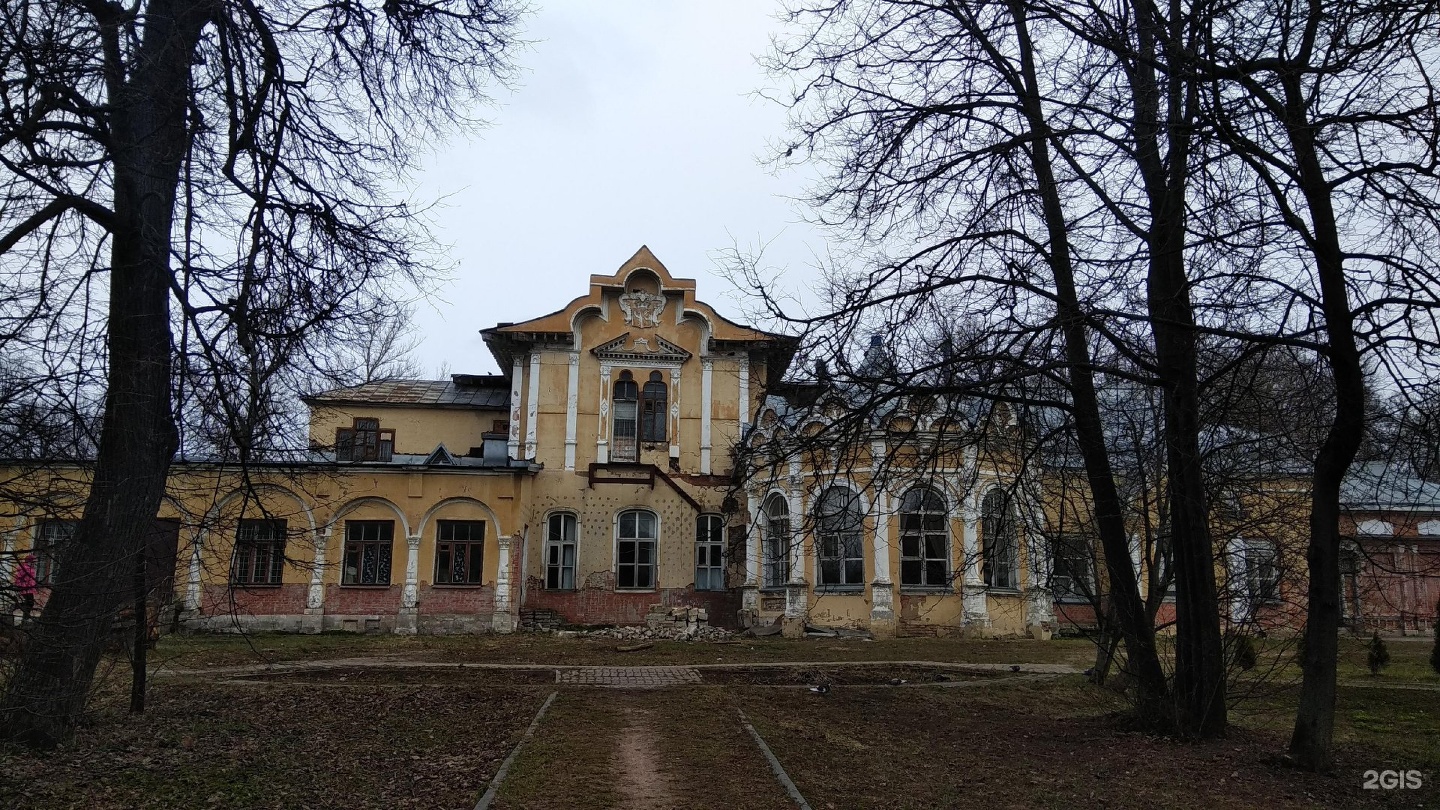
924, 539
1001, 553
839, 533
624, 405
635, 550
560, 547
653, 409
776, 543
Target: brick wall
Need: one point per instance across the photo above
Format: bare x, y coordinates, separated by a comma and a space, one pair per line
457, 600
364, 600
603, 606
219, 600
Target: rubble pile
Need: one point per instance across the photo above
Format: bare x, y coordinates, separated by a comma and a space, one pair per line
665, 623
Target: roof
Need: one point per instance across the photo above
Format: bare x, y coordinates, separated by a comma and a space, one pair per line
1378, 486
460, 391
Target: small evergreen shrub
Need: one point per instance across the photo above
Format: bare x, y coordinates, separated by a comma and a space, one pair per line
1379, 656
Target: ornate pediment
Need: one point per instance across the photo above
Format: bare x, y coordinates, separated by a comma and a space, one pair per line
642, 349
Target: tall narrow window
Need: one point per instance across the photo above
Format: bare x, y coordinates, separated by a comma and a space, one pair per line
367, 552
924, 540
624, 405
1001, 553
710, 553
653, 409
1073, 578
777, 541
635, 550
459, 552
560, 552
1262, 572
840, 532
50, 537
259, 553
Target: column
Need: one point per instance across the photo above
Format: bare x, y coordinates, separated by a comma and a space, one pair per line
1039, 603
408, 622
750, 588
707, 369
314, 620
602, 431
517, 375
882, 589
192, 580
572, 401
502, 620
532, 410
976, 611
796, 589
744, 394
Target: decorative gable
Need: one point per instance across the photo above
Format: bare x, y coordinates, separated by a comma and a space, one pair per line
651, 349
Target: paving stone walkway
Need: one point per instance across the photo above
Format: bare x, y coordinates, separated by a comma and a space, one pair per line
628, 677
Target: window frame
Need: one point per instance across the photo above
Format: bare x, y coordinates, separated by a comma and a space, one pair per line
45, 543
654, 410
625, 411
999, 527
551, 542
1267, 553
1070, 547
775, 534
386, 531
637, 563
249, 548
840, 539
710, 552
921, 536
375, 443
473, 547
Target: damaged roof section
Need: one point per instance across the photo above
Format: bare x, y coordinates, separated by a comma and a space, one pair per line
485, 391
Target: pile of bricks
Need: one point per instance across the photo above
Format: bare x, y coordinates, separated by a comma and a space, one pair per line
677, 623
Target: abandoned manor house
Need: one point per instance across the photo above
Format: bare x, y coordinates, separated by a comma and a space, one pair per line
595, 478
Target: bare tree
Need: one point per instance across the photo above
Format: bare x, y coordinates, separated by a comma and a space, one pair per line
230, 159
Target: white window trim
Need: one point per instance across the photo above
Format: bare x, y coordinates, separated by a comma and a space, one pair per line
615, 549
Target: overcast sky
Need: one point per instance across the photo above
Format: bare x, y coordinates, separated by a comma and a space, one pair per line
636, 123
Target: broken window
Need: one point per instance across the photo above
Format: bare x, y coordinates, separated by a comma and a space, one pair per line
560, 547
654, 410
624, 405
1000, 552
776, 541
709, 553
1073, 568
459, 552
1262, 572
50, 537
367, 552
364, 440
635, 550
840, 532
924, 539
259, 553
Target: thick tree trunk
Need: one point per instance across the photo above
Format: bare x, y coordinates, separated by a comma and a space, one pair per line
47, 693
140, 639
1200, 705
1126, 605
1311, 741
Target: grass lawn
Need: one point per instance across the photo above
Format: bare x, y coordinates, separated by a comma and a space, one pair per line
355, 737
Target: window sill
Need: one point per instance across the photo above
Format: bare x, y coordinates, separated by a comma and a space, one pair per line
458, 585
375, 587
926, 590
1072, 600
840, 589
636, 590
772, 589
250, 586
999, 591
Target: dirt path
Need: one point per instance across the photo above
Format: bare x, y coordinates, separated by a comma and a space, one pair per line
641, 782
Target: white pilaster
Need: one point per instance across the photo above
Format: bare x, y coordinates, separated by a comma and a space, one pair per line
532, 409
707, 369
1238, 580
976, 611
502, 620
315, 599
744, 394
882, 589
192, 579
602, 430
572, 401
517, 376
674, 415
407, 623
797, 520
